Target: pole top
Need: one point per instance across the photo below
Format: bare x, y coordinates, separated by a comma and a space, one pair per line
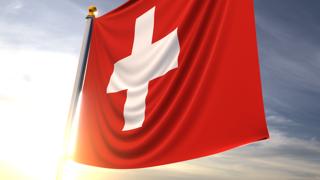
92, 11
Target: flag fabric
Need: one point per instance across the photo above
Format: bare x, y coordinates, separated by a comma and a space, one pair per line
168, 81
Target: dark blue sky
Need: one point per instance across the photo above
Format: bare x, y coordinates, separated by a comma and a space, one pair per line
289, 41
39, 37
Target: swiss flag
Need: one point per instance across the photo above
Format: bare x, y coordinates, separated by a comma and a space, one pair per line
168, 81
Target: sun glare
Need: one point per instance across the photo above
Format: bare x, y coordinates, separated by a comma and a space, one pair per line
34, 97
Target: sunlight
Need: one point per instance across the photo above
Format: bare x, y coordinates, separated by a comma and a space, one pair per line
34, 99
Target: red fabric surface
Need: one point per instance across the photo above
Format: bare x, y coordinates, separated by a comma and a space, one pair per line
211, 103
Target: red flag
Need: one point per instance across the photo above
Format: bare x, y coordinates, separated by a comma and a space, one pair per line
168, 81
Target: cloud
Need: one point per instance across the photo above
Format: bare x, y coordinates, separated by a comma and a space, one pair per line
281, 157
42, 25
13, 7
289, 46
37, 40
280, 120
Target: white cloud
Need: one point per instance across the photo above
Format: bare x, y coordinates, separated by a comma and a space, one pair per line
279, 120
36, 86
281, 157
13, 7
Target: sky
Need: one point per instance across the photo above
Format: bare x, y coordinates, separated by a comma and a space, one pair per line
40, 43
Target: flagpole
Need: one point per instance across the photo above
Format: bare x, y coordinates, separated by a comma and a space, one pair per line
77, 88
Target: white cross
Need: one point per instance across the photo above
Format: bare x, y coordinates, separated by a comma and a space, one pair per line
147, 62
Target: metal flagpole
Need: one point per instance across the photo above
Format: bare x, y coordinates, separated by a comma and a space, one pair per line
77, 88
